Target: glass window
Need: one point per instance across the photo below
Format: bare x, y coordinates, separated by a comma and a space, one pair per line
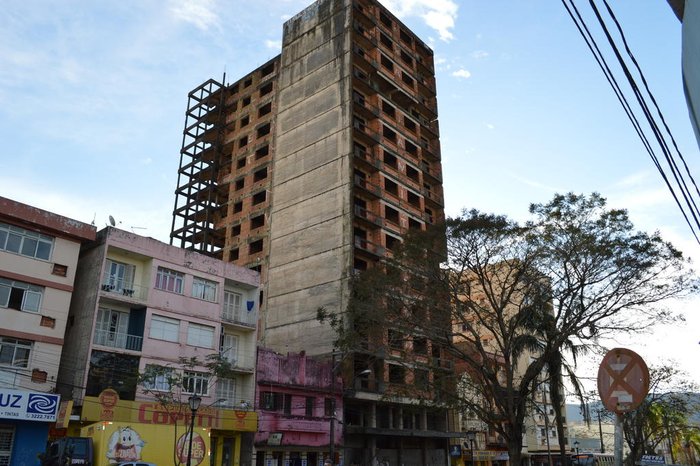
157, 378
204, 289
232, 306
200, 335
14, 352
164, 328
226, 389
25, 242
19, 295
118, 276
195, 383
169, 280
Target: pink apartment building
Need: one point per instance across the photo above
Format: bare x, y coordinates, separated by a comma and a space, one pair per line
298, 400
38, 257
139, 302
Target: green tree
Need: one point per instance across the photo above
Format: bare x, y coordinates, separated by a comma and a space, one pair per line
513, 304
661, 421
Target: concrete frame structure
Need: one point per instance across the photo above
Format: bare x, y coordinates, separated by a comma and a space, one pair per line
38, 258
314, 166
139, 303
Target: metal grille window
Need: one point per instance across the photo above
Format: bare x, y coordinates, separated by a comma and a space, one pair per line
25, 242
19, 295
14, 352
169, 280
195, 383
6, 437
158, 378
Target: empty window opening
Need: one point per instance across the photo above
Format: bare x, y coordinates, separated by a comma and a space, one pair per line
269, 69
388, 109
247, 83
265, 109
387, 63
420, 345
237, 207
257, 222
405, 37
389, 133
264, 130
386, 20
240, 183
391, 214
390, 160
246, 101
259, 197
242, 142
406, 58
359, 149
241, 162
412, 173
260, 175
397, 374
359, 264
409, 124
413, 199
411, 148
255, 247
391, 187
359, 123
245, 121
392, 242
414, 224
233, 255
266, 89
262, 152
386, 41
236, 230
407, 79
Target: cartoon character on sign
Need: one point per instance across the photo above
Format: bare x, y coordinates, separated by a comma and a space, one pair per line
125, 444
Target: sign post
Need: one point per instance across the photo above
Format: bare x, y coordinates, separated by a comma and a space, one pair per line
623, 383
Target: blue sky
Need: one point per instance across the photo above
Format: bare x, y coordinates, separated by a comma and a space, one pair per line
93, 94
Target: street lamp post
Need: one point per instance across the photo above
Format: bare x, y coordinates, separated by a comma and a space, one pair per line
194, 401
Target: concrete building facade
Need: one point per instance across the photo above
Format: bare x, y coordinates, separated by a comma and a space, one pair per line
38, 258
144, 306
312, 167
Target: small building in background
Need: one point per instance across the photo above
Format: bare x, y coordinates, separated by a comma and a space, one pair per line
38, 257
298, 401
141, 306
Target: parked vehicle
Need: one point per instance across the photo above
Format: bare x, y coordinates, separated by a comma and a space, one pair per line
68, 451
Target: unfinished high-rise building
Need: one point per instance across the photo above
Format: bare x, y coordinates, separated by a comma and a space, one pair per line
311, 167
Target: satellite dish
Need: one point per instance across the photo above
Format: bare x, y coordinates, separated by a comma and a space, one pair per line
111, 221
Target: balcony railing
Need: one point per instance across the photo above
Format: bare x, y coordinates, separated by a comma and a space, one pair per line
239, 316
118, 340
124, 289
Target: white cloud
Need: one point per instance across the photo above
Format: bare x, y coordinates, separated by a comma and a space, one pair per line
198, 12
461, 73
273, 44
437, 14
490, 126
479, 54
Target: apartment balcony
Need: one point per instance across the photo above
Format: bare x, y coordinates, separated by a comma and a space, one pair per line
368, 216
121, 289
240, 317
368, 187
241, 363
117, 340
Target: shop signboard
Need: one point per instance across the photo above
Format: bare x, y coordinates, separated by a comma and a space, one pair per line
28, 406
108, 407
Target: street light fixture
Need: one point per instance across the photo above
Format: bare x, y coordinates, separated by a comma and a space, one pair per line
194, 401
576, 444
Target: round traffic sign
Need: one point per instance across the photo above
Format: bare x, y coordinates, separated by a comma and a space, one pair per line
623, 380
